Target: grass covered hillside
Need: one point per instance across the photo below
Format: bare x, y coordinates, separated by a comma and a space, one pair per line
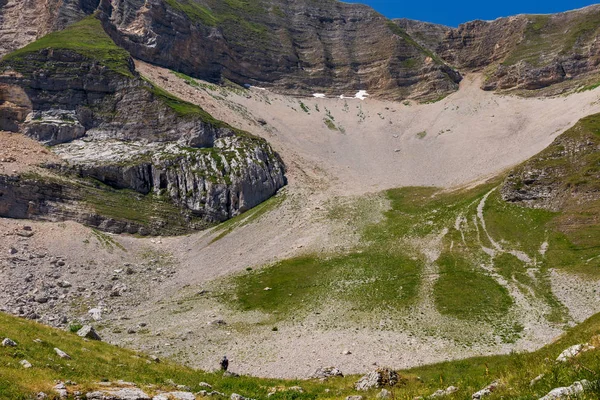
86, 37
94, 362
472, 266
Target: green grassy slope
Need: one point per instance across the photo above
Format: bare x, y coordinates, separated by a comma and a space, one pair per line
86, 37
93, 362
468, 242
547, 34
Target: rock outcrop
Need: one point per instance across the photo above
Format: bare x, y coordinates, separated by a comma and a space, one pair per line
299, 47
116, 128
527, 51
379, 378
307, 47
565, 173
24, 21
302, 47
568, 392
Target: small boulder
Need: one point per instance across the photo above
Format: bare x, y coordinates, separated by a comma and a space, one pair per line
8, 343
486, 391
354, 398
61, 390
26, 364
205, 385
446, 392
118, 394
384, 394
327, 372
236, 396
62, 354
88, 332
175, 396
536, 379
96, 314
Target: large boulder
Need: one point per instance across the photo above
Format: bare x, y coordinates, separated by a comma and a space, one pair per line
568, 392
88, 332
379, 378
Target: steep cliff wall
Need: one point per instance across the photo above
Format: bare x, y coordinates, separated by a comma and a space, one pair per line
304, 47
24, 21
295, 46
527, 51
76, 87
300, 47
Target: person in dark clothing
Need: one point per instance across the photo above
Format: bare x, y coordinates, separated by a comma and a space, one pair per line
224, 363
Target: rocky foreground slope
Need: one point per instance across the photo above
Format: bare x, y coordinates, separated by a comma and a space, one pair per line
75, 88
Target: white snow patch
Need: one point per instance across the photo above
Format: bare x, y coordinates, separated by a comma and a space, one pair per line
361, 95
319, 95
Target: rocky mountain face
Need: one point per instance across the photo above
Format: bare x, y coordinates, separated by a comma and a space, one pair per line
300, 47
527, 51
565, 176
76, 87
305, 47
24, 21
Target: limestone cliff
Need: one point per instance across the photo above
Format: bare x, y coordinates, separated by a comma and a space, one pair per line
304, 47
528, 51
300, 47
566, 175
75, 88
24, 21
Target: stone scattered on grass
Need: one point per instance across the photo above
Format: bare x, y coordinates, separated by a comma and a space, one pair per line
486, 391
9, 343
536, 379
567, 392
118, 394
236, 396
62, 354
574, 351
26, 364
379, 378
327, 372
61, 390
175, 396
448, 391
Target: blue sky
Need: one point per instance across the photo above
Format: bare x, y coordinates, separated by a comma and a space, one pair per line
452, 13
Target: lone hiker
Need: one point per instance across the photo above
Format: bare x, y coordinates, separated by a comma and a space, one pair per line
224, 363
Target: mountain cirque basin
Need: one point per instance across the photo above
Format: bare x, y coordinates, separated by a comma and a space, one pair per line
409, 232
